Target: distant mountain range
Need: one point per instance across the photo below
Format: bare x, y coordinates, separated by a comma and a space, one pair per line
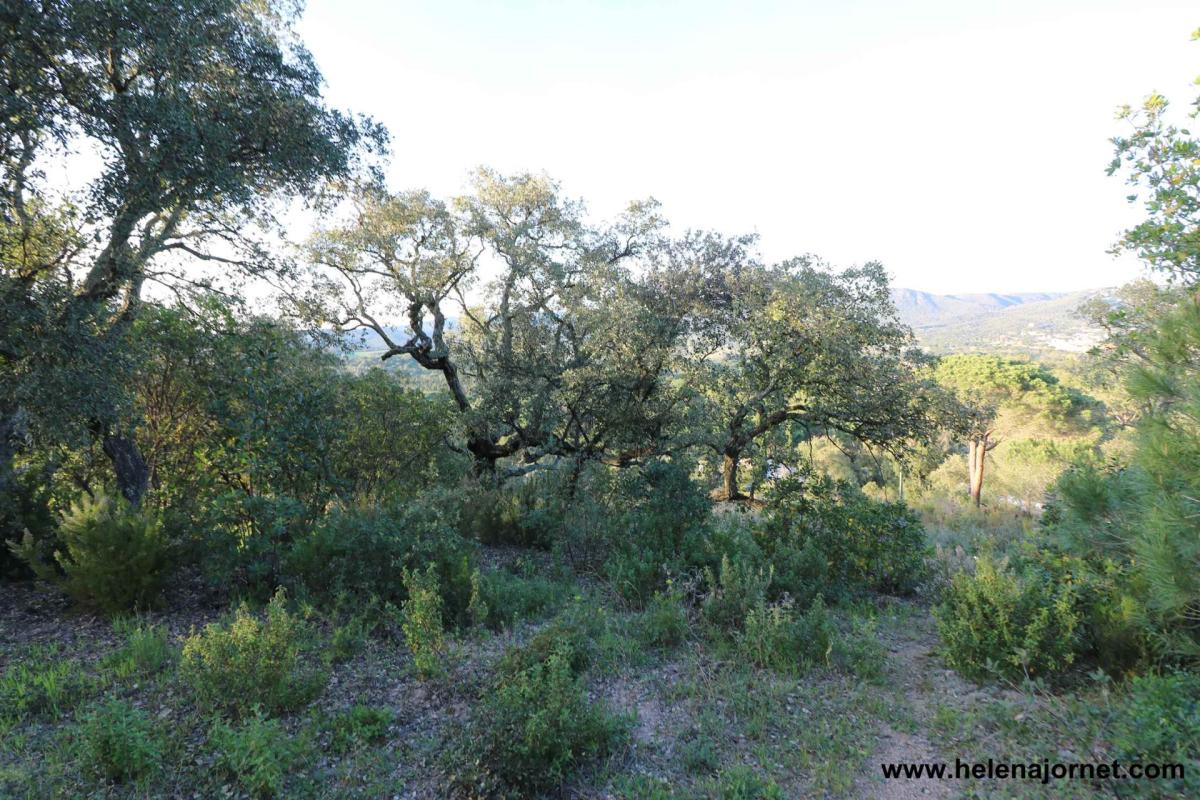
1027, 323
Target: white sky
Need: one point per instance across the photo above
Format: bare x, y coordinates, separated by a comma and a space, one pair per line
962, 143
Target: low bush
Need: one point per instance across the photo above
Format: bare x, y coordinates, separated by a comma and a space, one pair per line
827, 537
359, 726
1001, 623
700, 755
422, 621
108, 556
247, 539
25, 508
501, 598
120, 742
1159, 723
147, 649
271, 663
859, 652
734, 591
349, 638
656, 511
532, 730
664, 623
574, 631
743, 783
527, 513
257, 753
776, 637
644, 787
361, 555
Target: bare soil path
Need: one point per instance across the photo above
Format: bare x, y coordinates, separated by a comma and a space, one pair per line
921, 682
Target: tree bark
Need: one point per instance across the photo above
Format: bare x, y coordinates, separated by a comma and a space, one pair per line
977, 451
729, 476
133, 476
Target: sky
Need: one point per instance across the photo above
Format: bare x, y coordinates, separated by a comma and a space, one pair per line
961, 143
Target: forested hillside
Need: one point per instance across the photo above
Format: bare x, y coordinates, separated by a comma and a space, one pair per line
1032, 325
480, 495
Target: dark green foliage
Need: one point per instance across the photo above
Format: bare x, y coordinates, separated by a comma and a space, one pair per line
44, 684
733, 592
359, 726
655, 512
1159, 723
249, 663
25, 508
533, 729
999, 622
776, 637
645, 787
256, 752
1128, 529
421, 621
349, 638
120, 742
247, 539
572, 632
859, 652
504, 597
700, 755
109, 557
362, 555
826, 537
664, 623
527, 513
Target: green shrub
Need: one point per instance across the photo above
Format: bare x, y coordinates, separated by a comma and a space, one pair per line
573, 631
257, 753
349, 639
109, 557
997, 622
361, 555
422, 621
526, 513
644, 787
271, 663
358, 726
119, 741
859, 653
656, 510
827, 536
775, 637
532, 730
45, 684
504, 598
664, 623
147, 649
733, 592
247, 539
25, 508
1159, 723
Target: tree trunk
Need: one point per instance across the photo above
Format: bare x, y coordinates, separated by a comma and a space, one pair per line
133, 477
976, 453
729, 476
